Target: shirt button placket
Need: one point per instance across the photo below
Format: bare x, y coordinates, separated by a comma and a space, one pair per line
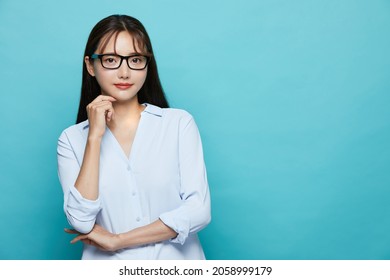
134, 192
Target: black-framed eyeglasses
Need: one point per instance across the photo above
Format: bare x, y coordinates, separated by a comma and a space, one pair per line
114, 61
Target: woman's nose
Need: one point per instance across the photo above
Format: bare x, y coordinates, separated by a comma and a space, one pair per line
124, 70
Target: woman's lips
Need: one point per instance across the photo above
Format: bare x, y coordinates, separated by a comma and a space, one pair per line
123, 85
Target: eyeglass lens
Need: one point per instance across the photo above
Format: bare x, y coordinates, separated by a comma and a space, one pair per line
112, 61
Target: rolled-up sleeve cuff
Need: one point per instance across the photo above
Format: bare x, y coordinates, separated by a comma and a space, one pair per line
182, 227
81, 209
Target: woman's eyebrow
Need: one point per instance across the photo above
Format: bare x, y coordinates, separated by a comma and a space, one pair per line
131, 54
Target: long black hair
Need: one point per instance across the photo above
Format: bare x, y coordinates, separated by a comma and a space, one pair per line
151, 91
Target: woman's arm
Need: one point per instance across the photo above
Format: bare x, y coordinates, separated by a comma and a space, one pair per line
101, 238
151, 233
194, 213
80, 212
87, 181
99, 112
78, 166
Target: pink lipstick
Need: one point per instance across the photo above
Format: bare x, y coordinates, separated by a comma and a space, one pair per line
123, 86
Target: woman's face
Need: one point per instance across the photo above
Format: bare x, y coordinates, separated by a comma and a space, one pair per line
123, 83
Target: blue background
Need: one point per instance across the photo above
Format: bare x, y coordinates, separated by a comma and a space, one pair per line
291, 99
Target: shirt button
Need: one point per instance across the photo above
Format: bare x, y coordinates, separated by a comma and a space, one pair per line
138, 219
128, 168
133, 193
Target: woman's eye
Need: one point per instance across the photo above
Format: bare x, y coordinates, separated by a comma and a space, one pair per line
110, 60
136, 60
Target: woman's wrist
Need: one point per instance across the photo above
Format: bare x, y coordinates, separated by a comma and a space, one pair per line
94, 138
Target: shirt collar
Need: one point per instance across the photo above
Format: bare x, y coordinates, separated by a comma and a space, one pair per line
152, 109
84, 124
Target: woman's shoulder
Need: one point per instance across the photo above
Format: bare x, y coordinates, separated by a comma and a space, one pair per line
176, 113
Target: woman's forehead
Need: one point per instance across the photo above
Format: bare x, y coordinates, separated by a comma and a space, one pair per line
121, 40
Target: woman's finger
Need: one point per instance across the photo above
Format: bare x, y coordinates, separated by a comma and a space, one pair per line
100, 107
97, 105
104, 107
109, 114
87, 241
72, 231
78, 238
101, 98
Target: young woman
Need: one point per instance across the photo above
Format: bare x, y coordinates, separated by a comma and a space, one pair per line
131, 169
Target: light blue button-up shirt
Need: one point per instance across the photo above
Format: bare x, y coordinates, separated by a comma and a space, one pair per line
164, 178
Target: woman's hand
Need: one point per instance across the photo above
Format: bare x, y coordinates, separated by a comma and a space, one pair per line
100, 112
98, 237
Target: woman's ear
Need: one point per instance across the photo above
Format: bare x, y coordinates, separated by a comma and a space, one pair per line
88, 64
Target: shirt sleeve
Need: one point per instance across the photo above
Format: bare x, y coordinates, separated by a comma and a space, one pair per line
195, 212
80, 212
